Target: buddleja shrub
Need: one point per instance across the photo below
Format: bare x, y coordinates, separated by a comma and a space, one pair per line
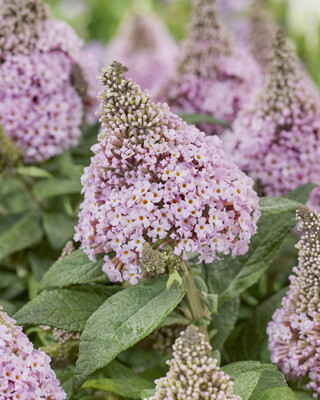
168, 252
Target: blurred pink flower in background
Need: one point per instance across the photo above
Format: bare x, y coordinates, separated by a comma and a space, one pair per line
48, 81
214, 75
276, 138
235, 13
145, 45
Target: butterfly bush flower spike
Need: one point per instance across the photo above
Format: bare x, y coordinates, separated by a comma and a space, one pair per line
214, 76
25, 372
261, 34
48, 83
145, 45
294, 332
193, 374
235, 14
275, 139
154, 178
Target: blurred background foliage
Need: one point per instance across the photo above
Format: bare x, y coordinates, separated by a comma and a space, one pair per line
98, 20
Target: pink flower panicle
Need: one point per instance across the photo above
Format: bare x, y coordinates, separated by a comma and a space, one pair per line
214, 76
206, 40
25, 372
20, 24
261, 33
145, 45
153, 177
294, 332
275, 138
193, 374
39, 108
235, 13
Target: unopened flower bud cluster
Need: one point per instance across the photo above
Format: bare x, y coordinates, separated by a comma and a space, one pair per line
193, 374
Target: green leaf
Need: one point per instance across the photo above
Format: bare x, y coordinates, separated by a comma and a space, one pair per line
18, 233
118, 370
211, 301
57, 187
234, 370
301, 194
73, 269
145, 394
245, 384
67, 308
33, 172
277, 205
59, 228
8, 278
122, 321
9, 307
224, 321
128, 387
270, 377
175, 318
194, 118
254, 339
232, 276
65, 377
276, 394
302, 395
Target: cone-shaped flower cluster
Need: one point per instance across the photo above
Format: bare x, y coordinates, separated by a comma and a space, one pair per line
40, 60
193, 373
145, 45
25, 372
154, 177
213, 75
235, 14
276, 139
294, 333
261, 34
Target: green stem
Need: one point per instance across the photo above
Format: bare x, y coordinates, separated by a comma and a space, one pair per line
193, 298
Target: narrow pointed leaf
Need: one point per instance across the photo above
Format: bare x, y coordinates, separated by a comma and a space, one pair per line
245, 384
18, 233
128, 387
67, 308
75, 268
122, 321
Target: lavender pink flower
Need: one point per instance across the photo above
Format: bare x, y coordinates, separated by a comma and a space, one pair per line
145, 45
48, 84
153, 177
235, 13
25, 372
294, 332
276, 138
214, 76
